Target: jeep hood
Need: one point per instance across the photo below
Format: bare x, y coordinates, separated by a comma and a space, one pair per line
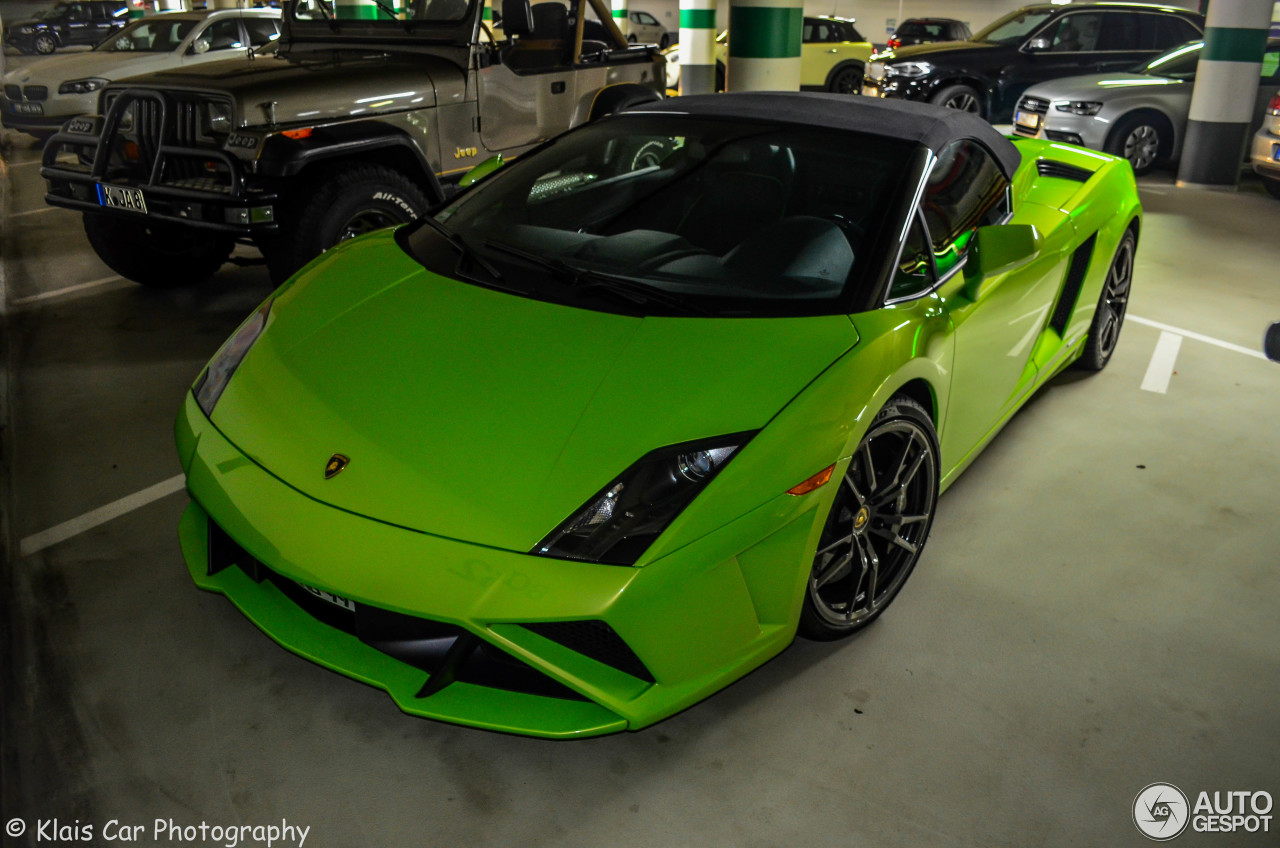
487, 417
317, 86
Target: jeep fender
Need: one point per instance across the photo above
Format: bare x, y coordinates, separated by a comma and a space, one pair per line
285, 156
620, 96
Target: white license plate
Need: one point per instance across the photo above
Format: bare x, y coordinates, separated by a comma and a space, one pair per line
336, 600
1030, 120
26, 108
121, 197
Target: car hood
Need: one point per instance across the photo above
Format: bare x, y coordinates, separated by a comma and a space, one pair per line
54, 70
1099, 86
345, 79
484, 416
946, 50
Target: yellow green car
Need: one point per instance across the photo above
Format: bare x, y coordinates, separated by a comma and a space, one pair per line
833, 56
605, 431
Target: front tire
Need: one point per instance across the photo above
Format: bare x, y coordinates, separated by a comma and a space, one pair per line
45, 44
877, 526
847, 80
664, 42
154, 253
1142, 139
962, 97
1108, 318
350, 200
1272, 186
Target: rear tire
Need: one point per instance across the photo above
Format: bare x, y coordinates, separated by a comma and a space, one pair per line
154, 253
962, 97
847, 80
350, 200
1108, 318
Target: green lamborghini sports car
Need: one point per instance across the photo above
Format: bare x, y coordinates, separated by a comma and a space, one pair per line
608, 428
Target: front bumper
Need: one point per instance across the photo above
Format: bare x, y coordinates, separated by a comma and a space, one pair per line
53, 114
898, 88
696, 619
1084, 130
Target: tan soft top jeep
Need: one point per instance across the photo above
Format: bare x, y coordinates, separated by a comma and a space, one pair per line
363, 117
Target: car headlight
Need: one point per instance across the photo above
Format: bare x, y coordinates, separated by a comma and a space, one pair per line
220, 117
81, 86
26, 29
1078, 107
911, 70
617, 525
214, 380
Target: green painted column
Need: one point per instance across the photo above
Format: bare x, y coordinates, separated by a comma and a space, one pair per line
764, 45
488, 13
697, 46
620, 17
1226, 87
357, 10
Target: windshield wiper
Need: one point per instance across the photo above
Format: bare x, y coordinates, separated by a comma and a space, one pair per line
464, 249
585, 280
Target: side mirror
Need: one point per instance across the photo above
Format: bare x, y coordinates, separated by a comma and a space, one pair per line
995, 250
1271, 345
517, 17
1036, 44
479, 172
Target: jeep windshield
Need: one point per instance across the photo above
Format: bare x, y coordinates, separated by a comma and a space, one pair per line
1013, 27
666, 214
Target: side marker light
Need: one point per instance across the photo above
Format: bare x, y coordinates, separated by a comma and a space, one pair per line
817, 481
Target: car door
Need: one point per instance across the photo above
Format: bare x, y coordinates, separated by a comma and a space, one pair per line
77, 26
997, 319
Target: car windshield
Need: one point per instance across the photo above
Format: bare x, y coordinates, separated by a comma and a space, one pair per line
380, 11
688, 216
151, 35
1178, 63
1013, 27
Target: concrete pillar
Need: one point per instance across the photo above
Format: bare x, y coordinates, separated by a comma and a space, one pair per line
1226, 87
356, 10
697, 46
764, 45
488, 13
620, 18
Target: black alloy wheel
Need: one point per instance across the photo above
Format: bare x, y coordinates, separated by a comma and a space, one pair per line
877, 526
847, 81
1108, 318
960, 97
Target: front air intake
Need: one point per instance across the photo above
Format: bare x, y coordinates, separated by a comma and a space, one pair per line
597, 640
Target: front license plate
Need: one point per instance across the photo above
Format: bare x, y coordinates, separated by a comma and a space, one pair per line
120, 197
1030, 120
27, 108
336, 600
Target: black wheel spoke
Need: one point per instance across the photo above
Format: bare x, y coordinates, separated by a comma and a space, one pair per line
869, 470
895, 539
838, 567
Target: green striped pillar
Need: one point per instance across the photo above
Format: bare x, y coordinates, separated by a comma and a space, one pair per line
697, 46
764, 45
488, 12
1222, 102
620, 16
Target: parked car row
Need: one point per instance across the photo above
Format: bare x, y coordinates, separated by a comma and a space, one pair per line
67, 24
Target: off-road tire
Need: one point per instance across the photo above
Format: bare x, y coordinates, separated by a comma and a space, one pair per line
348, 200
154, 253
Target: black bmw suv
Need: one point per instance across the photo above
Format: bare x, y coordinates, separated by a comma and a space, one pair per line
988, 73
76, 22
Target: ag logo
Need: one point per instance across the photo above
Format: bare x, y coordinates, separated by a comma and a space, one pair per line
1161, 812
464, 152
334, 466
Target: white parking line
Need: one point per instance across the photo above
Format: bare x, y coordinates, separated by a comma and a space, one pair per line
32, 212
1255, 353
101, 515
92, 284
1160, 369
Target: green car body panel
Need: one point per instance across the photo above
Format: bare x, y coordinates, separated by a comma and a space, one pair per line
345, 351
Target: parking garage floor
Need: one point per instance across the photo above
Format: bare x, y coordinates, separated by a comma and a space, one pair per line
1096, 610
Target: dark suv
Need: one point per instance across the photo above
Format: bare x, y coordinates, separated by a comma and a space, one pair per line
80, 22
988, 73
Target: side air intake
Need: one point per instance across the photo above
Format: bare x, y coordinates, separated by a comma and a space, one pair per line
1061, 170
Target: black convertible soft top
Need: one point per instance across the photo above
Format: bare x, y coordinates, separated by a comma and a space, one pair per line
932, 126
